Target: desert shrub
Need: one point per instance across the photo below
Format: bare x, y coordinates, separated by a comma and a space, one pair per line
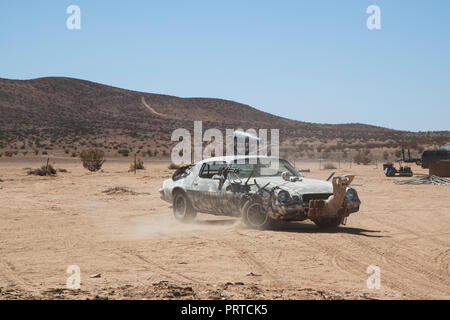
363, 157
43, 171
25, 153
173, 166
329, 166
118, 191
385, 155
8, 154
139, 165
92, 159
124, 152
74, 154
44, 152
36, 152
62, 170
1, 154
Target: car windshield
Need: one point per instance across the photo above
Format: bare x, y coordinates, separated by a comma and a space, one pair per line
265, 168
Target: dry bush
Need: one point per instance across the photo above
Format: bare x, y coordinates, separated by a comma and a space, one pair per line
43, 171
139, 165
329, 166
119, 190
363, 157
92, 159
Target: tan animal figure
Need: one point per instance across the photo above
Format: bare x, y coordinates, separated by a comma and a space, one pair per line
336, 204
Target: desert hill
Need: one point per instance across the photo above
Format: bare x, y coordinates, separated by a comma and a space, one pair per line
66, 113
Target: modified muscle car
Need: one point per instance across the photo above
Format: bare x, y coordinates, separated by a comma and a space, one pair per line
259, 189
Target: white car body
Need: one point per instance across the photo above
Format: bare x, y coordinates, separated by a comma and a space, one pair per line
207, 195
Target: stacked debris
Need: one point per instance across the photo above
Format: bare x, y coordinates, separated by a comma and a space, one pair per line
427, 179
47, 170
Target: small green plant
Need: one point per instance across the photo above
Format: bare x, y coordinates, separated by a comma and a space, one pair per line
173, 166
92, 159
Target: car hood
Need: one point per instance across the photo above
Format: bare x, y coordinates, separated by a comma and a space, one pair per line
300, 187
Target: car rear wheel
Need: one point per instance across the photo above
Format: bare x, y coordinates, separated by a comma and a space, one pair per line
328, 223
256, 215
182, 208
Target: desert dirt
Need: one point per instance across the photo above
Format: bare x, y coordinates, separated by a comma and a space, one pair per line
130, 240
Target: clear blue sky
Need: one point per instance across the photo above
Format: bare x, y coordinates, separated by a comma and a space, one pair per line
307, 60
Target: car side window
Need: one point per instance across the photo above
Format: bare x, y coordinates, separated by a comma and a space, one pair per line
209, 169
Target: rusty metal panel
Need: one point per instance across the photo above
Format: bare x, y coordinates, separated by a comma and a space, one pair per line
440, 168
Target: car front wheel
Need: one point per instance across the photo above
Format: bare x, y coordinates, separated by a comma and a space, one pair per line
256, 215
182, 208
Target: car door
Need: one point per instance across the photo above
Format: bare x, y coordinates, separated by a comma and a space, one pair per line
231, 202
205, 190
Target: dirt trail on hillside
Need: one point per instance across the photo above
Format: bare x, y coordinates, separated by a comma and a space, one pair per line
132, 240
151, 109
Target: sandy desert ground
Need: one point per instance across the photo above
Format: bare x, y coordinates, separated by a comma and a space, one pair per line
141, 252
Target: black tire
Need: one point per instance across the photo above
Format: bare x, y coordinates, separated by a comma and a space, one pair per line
182, 208
328, 223
255, 215
390, 173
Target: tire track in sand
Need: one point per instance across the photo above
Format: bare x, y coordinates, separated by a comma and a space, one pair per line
8, 273
136, 258
250, 259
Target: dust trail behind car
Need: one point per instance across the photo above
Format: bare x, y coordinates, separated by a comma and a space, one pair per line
163, 223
